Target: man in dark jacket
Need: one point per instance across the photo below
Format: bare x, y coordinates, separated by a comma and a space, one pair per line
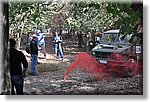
17, 73
34, 53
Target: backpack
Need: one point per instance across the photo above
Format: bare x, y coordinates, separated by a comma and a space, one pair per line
28, 49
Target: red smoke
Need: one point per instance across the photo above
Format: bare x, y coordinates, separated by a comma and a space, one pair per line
85, 62
117, 64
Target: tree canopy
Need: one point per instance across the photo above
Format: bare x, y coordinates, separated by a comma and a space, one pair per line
81, 16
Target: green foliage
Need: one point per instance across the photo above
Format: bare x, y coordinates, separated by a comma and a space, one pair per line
31, 14
92, 16
82, 16
127, 17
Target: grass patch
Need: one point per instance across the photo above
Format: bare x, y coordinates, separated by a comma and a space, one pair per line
48, 67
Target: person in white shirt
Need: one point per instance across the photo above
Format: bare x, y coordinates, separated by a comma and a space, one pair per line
57, 40
41, 41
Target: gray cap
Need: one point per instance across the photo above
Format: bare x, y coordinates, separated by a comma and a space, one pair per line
34, 35
38, 31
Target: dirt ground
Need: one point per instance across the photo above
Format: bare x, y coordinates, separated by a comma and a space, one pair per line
49, 80
79, 83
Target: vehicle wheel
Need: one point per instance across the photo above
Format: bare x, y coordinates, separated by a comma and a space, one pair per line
130, 68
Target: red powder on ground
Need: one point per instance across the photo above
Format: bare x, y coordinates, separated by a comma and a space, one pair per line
85, 62
117, 65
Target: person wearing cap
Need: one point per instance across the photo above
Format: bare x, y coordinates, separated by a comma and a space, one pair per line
34, 53
41, 41
17, 59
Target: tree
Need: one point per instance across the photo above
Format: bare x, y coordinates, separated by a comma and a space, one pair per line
82, 18
129, 14
86, 17
24, 17
5, 75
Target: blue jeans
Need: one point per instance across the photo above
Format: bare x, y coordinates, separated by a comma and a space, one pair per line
17, 83
33, 63
58, 49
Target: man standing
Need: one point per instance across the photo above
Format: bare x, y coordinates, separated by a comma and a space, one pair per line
16, 59
41, 41
34, 53
58, 46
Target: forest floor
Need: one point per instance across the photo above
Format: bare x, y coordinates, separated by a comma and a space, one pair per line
50, 77
49, 80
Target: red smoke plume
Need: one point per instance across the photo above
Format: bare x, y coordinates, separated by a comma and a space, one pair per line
117, 65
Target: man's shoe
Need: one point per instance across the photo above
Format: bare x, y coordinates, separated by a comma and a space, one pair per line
38, 62
61, 59
35, 74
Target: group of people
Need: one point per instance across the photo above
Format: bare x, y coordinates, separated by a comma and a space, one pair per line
17, 59
38, 42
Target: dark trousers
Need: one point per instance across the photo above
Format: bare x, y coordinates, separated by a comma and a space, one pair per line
17, 83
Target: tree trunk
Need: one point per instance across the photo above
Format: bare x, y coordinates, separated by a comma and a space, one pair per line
93, 36
18, 40
80, 39
87, 41
5, 75
20, 34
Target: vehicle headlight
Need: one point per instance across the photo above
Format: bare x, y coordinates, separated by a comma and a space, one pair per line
93, 52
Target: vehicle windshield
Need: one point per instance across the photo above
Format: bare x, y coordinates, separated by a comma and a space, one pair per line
114, 38
110, 38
